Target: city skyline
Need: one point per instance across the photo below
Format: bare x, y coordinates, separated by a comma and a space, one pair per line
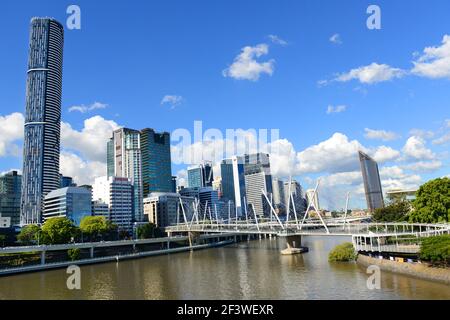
352, 116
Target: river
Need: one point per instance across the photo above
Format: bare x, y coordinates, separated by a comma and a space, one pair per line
247, 270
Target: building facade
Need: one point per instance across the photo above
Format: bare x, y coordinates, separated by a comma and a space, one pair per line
164, 208
200, 176
100, 208
156, 162
117, 193
10, 193
41, 146
71, 202
372, 182
233, 182
296, 194
128, 164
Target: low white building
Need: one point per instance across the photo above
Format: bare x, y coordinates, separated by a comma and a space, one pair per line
5, 222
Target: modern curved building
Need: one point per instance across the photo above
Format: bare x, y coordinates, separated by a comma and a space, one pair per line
42, 117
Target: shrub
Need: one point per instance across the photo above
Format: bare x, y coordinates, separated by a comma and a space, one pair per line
436, 250
74, 254
342, 252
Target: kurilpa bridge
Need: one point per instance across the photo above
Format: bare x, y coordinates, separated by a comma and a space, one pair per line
400, 237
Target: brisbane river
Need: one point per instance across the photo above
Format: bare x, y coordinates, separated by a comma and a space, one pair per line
247, 270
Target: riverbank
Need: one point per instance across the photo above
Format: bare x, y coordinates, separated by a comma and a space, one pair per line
417, 270
116, 258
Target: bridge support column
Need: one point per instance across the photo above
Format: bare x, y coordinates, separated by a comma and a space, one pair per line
293, 244
43, 257
194, 238
92, 251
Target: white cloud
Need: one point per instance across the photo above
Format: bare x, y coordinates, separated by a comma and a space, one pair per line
442, 140
434, 63
337, 154
172, 100
182, 178
277, 40
90, 142
415, 148
384, 154
371, 74
336, 38
425, 134
336, 109
82, 171
245, 66
380, 135
425, 166
84, 109
395, 178
11, 130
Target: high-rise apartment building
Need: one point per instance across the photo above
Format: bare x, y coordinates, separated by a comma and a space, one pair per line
127, 163
156, 162
372, 182
278, 192
10, 192
42, 117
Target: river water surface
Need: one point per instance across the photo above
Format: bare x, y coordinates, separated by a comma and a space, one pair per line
247, 270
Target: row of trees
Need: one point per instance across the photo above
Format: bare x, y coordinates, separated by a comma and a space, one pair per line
432, 205
61, 230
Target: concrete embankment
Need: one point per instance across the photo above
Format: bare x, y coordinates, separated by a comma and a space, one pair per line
116, 258
417, 270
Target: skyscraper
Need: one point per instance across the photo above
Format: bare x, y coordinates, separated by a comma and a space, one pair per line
128, 164
10, 189
156, 162
233, 182
200, 176
372, 182
258, 178
42, 117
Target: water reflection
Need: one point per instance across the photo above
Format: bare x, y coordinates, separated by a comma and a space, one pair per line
248, 270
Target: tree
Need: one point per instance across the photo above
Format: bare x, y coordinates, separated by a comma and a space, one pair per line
342, 252
2, 240
397, 211
29, 234
74, 254
149, 230
436, 250
93, 227
58, 230
432, 203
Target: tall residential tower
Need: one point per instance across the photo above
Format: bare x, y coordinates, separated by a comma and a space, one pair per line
42, 117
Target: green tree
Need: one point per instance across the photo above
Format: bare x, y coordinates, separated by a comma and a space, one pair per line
2, 240
397, 211
149, 230
58, 230
342, 252
436, 250
95, 227
74, 254
29, 234
432, 203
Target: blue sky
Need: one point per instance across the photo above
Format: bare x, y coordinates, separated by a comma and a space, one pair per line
129, 55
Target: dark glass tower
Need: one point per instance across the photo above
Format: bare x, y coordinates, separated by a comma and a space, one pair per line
156, 162
372, 182
10, 189
42, 117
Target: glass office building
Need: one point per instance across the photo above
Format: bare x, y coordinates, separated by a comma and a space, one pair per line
75, 203
10, 189
372, 182
200, 176
42, 117
233, 182
156, 162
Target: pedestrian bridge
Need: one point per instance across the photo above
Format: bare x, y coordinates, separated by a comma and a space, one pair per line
366, 236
